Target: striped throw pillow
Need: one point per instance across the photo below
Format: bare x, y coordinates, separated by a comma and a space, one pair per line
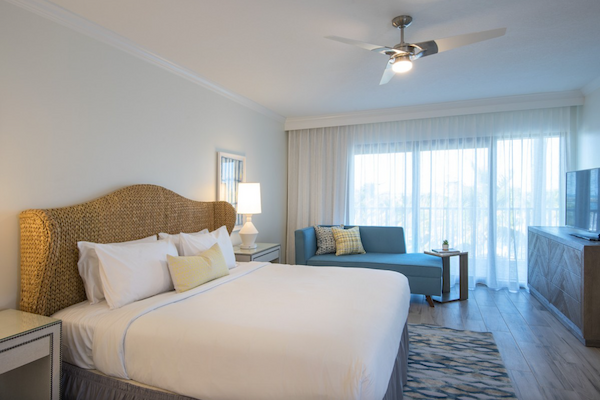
347, 241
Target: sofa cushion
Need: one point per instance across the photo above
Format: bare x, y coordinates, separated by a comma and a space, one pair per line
325, 240
410, 264
383, 239
347, 241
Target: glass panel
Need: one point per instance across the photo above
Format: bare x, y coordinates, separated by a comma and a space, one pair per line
231, 173
459, 187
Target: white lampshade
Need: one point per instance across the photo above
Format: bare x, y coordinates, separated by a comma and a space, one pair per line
248, 203
248, 198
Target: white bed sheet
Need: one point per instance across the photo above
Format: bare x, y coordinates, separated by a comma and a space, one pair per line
80, 320
266, 331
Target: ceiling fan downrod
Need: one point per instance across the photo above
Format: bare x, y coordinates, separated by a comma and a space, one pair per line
402, 22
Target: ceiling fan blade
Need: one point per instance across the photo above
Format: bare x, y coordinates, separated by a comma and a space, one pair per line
388, 74
437, 46
362, 45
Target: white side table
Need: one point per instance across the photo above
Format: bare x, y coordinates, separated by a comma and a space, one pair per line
30, 356
268, 252
448, 294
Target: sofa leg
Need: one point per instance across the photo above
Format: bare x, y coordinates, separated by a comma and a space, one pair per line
430, 301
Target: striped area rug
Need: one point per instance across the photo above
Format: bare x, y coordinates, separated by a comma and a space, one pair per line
445, 363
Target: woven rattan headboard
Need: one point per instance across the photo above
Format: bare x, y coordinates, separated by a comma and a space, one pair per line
50, 280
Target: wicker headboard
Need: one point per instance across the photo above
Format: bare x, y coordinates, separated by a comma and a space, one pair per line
50, 280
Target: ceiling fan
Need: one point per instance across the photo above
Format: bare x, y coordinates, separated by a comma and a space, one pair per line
403, 54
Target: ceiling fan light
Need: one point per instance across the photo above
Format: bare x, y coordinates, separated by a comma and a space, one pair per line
402, 64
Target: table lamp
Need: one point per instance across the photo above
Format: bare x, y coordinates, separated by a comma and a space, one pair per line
248, 204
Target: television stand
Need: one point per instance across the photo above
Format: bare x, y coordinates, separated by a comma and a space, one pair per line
564, 275
592, 237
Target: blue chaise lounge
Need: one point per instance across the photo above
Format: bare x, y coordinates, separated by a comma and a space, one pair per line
385, 249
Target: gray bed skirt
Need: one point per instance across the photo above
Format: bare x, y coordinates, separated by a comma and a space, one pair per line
400, 372
82, 384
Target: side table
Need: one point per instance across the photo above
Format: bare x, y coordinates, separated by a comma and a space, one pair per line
448, 294
268, 252
30, 356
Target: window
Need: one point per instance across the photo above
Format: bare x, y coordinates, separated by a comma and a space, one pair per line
477, 180
479, 193
383, 189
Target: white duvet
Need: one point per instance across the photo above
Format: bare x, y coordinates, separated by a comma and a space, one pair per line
266, 331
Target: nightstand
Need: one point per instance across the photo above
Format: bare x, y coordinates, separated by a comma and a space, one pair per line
268, 252
30, 356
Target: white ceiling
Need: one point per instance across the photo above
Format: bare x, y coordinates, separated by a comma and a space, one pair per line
274, 51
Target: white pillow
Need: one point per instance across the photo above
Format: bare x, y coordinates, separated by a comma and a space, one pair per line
89, 269
175, 238
134, 272
193, 245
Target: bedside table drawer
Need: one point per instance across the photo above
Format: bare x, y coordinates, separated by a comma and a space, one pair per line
24, 354
265, 252
268, 257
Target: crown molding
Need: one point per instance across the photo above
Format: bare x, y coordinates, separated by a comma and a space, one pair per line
77, 23
479, 106
591, 87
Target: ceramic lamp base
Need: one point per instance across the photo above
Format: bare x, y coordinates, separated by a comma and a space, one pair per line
248, 235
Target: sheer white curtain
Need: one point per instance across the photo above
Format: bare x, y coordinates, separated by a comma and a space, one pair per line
476, 180
317, 179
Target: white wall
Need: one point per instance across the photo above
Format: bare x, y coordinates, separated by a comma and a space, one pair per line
588, 137
79, 119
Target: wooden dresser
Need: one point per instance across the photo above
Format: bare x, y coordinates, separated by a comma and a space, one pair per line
564, 275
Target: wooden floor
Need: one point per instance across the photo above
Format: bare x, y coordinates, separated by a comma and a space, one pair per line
544, 360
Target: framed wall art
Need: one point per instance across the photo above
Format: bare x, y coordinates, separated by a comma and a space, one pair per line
231, 170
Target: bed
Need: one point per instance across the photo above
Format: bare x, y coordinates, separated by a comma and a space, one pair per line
265, 331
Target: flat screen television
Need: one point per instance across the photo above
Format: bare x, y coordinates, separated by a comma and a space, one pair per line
583, 196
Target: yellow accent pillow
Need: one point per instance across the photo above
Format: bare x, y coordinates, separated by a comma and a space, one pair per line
190, 272
347, 241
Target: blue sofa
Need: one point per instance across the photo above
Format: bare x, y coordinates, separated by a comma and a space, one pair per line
385, 249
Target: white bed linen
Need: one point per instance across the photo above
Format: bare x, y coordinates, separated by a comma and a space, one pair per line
266, 331
80, 320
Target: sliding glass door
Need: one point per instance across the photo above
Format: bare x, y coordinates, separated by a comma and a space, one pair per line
479, 193
477, 180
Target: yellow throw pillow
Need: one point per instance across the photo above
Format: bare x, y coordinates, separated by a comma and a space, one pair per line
189, 272
347, 241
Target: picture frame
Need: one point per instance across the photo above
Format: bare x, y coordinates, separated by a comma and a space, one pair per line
231, 170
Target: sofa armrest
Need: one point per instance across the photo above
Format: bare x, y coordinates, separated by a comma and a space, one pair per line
306, 244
